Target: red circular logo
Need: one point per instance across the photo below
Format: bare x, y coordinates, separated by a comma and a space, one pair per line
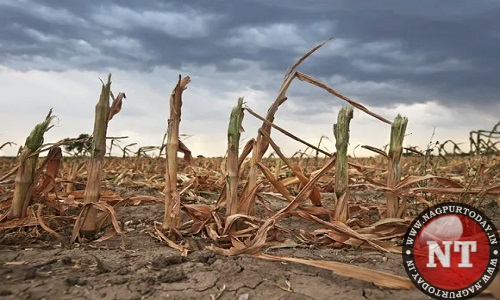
451, 250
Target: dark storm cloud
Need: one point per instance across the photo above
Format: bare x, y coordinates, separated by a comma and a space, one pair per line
445, 49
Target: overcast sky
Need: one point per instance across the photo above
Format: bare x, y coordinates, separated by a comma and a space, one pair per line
435, 62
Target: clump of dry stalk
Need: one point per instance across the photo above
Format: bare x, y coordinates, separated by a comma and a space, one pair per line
485, 141
52, 164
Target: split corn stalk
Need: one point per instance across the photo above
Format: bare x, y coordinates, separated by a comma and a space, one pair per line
93, 189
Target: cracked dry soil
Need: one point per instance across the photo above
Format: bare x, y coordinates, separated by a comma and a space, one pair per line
148, 269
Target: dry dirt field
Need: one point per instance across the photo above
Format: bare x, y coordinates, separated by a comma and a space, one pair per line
36, 265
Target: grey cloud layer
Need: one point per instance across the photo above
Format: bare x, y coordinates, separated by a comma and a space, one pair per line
403, 51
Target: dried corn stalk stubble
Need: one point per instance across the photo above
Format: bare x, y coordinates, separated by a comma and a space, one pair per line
233, 143
87, 226
341, 132
398, 130
171, 219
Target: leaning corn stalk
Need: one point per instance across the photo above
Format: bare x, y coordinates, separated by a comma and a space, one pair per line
398, 129
261, 145
233, 144
171, 217
24, 182
341, 133
103, 114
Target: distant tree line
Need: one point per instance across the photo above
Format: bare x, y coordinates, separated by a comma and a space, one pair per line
78, 146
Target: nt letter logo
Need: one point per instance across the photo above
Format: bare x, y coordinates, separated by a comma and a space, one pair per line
451, 251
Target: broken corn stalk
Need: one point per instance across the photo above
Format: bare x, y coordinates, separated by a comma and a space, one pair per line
398, 129
341, 133
93, 188
233, 144
171, 218
24, 182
